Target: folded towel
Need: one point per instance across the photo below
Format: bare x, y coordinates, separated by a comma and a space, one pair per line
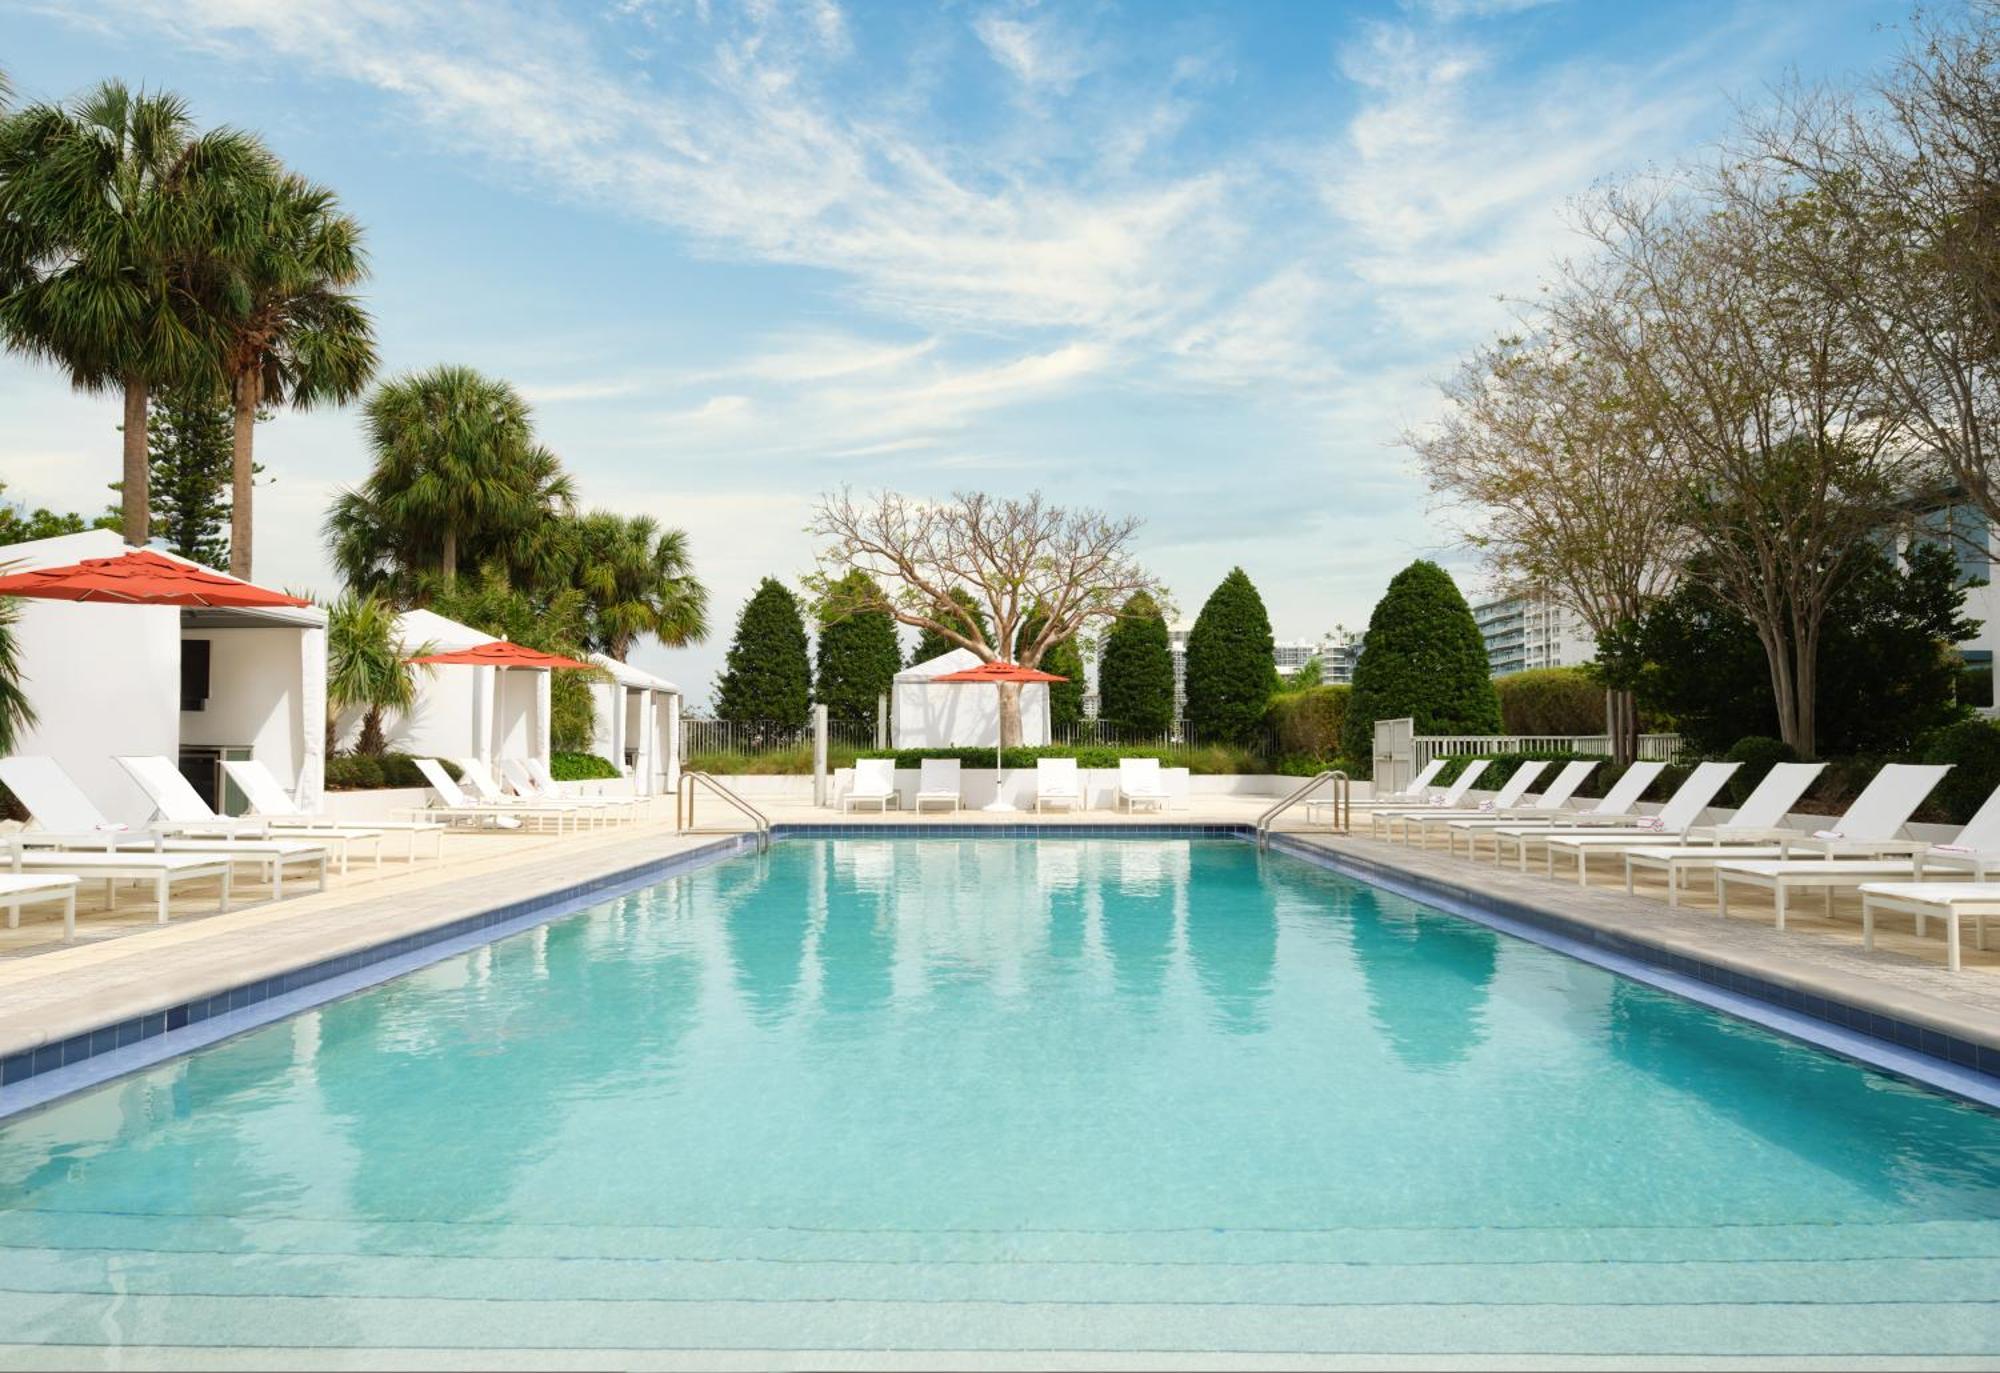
1828, 834
1486, 805
1651, 822
1951, 848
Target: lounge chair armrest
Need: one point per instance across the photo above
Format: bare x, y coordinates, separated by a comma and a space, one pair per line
1721, 834
1852, 848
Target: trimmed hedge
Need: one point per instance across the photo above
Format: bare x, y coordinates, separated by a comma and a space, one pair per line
1306, 724
371, 772
1550, 700
1972, 747
1424, 658
581, 767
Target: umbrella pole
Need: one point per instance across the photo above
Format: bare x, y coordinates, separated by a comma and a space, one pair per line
1000, 802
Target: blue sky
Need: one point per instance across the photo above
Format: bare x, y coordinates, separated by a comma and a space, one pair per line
1202, 263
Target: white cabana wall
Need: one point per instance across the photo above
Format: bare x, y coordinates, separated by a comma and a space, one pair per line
461, 711
925, 713
105, 680
637, 724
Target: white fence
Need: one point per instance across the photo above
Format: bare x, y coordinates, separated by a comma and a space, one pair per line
1401, 753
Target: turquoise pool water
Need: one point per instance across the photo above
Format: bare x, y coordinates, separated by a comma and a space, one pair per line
1005, 1096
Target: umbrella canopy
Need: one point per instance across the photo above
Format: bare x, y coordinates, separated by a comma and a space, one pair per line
506, 653
996, 673
142, 577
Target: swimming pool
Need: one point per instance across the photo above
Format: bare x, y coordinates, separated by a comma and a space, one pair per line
1006, 1096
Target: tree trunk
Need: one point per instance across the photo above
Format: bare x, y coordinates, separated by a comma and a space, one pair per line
137, 522
242, 471
448, 557
372, 742
1010, 715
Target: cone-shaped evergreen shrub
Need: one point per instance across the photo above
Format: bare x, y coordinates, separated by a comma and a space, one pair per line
1423, 658
767, 675
1231, 674
859, 654
1135, 675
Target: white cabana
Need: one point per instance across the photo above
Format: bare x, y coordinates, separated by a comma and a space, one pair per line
925, 713
196, 684
463, 711
638, 725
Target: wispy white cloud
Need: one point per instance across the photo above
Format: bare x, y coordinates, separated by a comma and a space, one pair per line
1033, 49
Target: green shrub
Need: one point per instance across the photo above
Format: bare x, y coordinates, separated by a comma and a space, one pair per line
1424, 659
1758, 755
767, 675
1231, 674
581, 767
1300, 765
1135, 671
1972, 747
1550, 700
1307, 723
859, 651
368, 772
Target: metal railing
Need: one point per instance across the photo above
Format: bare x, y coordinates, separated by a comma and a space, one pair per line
1342, 809
1653, 748
753, 738
684, 806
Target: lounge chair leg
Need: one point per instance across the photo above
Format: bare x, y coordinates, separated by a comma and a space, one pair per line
69, 919
110, 894
277, 876
322, 872
222, 903
1780, 903
160, 897
14, 914
1722, 900
1673, 885
1867, 924
1952, 959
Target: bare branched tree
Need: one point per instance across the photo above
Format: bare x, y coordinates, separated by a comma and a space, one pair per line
1911, 172
1568, 491
1031, 565
1787, 438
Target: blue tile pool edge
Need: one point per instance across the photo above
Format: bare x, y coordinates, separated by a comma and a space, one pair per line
1918, 1054
36, 1077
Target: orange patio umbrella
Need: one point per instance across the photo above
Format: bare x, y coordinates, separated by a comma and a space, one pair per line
999, 674
143, 577
506, 653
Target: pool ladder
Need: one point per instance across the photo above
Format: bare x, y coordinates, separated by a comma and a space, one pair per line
1342, 811
684, 806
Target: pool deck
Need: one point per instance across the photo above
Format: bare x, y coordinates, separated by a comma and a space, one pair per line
124, 965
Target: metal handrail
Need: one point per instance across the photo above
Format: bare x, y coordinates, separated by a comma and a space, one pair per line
1342, 809
684, 806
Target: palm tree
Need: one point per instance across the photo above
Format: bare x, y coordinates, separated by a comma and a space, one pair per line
456, 470
638, 579
291, 333
16, 714
366, 666
113, 215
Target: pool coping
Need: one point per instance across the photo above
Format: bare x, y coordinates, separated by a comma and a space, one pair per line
1848, 1027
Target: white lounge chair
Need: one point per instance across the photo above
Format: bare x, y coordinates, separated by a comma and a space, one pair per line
112, 866
1057, 784
20, 888
179, 809
1413, 794
1950, 902
270, 802
1616, 812
528, 785
455, 804
487, 791
1549, 803
1139, 785
1383, 822
937, 784
546, 787
1510, 794
69, 820
873, 784
1882, 809
1752, 823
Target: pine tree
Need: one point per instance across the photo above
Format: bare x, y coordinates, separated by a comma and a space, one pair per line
858, 653
931, 644
1231, 670
1135, 675
767, 676
189, 452
1423, 658
1064, 660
